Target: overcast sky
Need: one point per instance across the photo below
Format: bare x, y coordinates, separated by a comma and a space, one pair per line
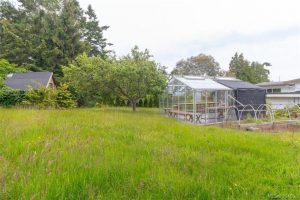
264, 30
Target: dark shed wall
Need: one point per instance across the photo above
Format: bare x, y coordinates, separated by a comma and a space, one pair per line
254, 97
245, 92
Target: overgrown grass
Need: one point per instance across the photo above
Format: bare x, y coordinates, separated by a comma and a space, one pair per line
116, 154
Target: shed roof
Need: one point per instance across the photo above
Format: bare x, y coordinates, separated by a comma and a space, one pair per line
237, 84
200, 83
21, 81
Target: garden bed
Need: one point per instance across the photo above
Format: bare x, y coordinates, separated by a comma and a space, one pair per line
281, 126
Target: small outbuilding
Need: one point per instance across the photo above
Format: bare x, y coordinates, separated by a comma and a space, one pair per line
244, 93
35, 80
196, 99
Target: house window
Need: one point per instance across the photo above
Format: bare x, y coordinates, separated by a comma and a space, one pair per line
274, 90
277, 90
269, 90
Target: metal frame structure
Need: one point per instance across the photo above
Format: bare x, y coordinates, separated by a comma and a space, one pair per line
197, 100
210, 103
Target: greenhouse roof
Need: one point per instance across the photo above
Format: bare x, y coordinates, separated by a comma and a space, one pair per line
200, 83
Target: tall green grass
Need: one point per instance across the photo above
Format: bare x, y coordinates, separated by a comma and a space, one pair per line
116, 154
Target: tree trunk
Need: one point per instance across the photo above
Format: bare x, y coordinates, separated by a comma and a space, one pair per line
133, 105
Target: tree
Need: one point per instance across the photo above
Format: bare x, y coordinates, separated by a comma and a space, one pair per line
87, 78
94, 35
253, 72
64, 98
131, 78
45, 35
7, 68
135, 76
239, 67
199, 65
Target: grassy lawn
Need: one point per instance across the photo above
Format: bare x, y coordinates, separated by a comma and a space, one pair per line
116, 154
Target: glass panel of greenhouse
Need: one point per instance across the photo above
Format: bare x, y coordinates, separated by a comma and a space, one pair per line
197, 100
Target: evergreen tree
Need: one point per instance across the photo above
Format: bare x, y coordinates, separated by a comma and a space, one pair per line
253, 72
94, 35
45, 35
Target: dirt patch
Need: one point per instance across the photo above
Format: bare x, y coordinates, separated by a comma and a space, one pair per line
276, 127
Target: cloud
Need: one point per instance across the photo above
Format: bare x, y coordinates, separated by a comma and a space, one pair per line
241, 38
280, 47
175, 29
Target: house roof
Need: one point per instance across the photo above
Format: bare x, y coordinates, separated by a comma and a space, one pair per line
200, 83
237, 84
22, 81
279, 83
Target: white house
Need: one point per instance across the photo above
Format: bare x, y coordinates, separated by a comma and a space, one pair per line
283, 93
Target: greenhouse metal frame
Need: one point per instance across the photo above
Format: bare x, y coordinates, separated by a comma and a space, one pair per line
198, 100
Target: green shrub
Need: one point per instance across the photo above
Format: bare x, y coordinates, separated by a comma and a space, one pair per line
10, 97
64, 98
282, 113
40, 98
49, 98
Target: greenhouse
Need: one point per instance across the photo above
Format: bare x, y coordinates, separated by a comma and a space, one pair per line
198, 100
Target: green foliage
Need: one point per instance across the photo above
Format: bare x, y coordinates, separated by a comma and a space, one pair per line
244, 70
10, 97
135, 76
44, 35
281, 114
41, 98
87, 77
115, 154
114, 81
94, 35
45, 98
64, 98
7, 68
199, 65
284, 113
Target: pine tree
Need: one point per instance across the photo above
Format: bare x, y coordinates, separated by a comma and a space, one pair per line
46, 35
253, 72
94, 35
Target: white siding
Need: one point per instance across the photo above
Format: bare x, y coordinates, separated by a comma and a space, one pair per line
297, 87
287, 89
281, 102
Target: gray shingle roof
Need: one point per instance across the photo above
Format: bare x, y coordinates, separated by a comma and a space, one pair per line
279, 83
22, 81
237, 84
